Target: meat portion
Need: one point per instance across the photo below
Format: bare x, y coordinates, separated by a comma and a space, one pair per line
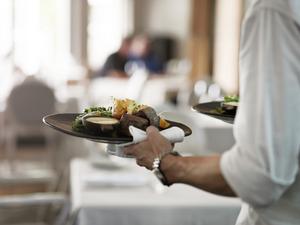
149, 114
132, 120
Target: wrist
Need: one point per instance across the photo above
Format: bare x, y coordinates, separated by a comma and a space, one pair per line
172, 168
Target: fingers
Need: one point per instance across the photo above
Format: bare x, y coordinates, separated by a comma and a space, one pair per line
139, 158
151, 130
142, 153
158, 142
153, 134
146, 151
136, 150
131, 151
143, 162
139, 162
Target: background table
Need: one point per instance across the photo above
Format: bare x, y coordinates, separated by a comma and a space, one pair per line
178, 204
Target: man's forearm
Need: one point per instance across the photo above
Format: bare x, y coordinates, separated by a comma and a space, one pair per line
203, 172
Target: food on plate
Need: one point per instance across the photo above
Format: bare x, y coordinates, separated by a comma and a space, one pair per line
124, 113
149, 114
131, 120
78, 125
228, 106
99, 124
230, 103
101, 120
234, 104
163, 123
122, 106
231, 98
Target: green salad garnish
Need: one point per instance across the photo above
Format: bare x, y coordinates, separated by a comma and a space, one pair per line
231, 98
77, 124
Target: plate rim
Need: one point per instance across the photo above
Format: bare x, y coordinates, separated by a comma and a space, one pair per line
102, 139
228, 118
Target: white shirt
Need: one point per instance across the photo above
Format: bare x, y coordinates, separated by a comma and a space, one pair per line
263, 165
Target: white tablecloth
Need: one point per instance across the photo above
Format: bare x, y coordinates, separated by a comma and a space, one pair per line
177, 205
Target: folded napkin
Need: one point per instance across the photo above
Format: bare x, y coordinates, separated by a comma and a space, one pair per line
173, 134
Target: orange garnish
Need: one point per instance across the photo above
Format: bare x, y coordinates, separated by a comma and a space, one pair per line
163, 124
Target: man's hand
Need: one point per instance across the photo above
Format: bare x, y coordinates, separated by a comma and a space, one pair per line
203, 172
146, 151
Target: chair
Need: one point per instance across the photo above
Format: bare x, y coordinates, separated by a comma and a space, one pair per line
35, 208
1, 127
13, 208
26, 106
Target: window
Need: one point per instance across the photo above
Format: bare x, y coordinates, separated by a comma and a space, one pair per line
34, 33
6, 43
109, 21
227, 33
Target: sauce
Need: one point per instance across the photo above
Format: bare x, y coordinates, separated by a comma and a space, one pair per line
231, 104
102, 120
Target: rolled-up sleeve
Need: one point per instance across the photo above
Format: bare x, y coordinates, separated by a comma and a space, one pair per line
264, 161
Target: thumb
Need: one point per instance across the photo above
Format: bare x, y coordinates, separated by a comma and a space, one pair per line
152, 133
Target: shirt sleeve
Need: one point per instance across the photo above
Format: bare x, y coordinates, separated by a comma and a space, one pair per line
264, 162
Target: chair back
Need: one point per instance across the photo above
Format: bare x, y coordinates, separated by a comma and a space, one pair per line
30, 101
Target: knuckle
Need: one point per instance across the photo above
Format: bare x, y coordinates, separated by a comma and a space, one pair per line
152, 131
149, 167
140, 163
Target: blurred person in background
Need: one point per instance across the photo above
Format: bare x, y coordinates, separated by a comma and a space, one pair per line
262, 168
142, 55
114, 65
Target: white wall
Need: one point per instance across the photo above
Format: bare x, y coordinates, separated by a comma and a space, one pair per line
164, 17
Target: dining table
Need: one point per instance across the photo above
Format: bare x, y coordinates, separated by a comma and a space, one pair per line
115, 191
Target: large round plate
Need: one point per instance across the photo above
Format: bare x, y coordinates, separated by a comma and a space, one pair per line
212, 109
63, 122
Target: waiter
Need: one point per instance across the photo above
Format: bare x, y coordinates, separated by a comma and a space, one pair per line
262, 168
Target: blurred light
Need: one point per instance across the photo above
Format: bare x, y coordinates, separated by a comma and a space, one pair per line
214, 91
200, 88
5, 27
227, 32
106, 28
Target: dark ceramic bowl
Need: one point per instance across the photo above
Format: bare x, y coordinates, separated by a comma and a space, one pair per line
229, 107
100, 125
